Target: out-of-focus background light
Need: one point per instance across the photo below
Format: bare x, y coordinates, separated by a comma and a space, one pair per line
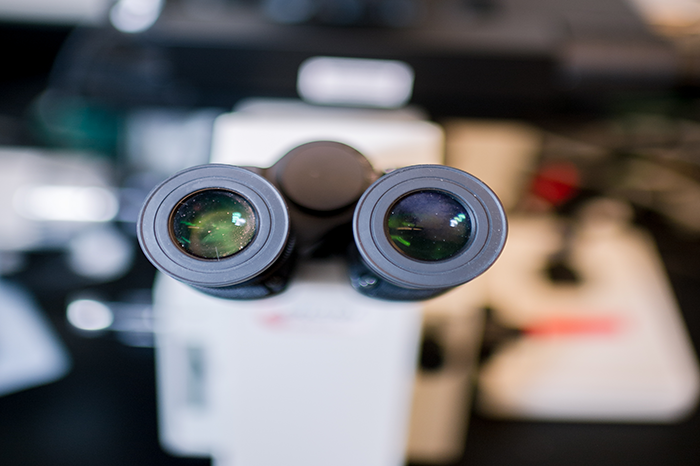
66, 203
371, 83
90, 315
135, 15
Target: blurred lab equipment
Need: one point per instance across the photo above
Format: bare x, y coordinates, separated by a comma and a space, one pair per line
31, 353
607, 344
484, 58
65, 201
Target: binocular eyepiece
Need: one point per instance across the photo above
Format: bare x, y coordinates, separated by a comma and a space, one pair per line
237, 232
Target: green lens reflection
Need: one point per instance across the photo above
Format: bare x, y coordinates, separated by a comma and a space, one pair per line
213, 224
428, 225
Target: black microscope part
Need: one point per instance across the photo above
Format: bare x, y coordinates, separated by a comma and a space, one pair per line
237, 233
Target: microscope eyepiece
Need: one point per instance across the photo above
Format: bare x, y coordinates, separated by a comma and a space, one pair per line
423, 229
418, 231
222, 229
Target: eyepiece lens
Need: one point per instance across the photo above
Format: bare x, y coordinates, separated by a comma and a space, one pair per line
428, 225
213, 224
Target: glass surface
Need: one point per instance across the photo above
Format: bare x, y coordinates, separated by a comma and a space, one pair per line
213, 224
428, 225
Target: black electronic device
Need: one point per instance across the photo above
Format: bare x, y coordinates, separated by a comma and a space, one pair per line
236, 232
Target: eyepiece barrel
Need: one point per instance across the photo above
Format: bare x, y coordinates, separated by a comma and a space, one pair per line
428, 227
214, 227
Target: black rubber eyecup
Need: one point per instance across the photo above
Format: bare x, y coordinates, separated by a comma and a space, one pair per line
487, 237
